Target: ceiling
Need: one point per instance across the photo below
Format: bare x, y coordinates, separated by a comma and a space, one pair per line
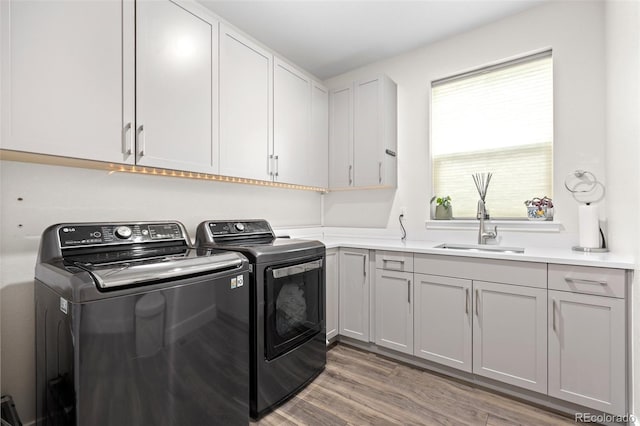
330, 37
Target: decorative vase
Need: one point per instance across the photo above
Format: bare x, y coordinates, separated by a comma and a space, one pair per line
539, 213
444, 213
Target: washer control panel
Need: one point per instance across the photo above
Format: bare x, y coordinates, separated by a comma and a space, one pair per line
121, 233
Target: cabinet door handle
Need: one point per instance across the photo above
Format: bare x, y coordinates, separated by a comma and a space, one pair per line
141, 141
571, 279
408, 291
127, 142
553, 308
466, 301
350, 174
364, 264
477, 301
385, 264
270, 165
277, 165
379, 171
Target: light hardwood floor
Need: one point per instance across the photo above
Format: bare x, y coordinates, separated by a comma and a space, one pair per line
361, 388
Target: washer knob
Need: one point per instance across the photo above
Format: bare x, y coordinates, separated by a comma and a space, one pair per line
239, 227
123, 232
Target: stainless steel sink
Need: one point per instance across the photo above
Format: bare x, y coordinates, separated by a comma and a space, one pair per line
481, 248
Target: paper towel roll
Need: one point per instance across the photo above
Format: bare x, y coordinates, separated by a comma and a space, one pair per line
589, 226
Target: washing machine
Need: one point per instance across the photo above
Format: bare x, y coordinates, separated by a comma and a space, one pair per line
136, 327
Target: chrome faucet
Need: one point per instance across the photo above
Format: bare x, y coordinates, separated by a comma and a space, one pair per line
483, 235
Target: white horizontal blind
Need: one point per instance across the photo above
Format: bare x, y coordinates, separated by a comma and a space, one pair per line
500, 120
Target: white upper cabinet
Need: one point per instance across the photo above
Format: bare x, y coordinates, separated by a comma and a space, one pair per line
67, 78
318, 154
159, 84
176, 87
300, 127
364, 132
291, 123
245, 107
341, 137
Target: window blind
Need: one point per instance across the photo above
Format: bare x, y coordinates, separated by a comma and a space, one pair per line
497, 119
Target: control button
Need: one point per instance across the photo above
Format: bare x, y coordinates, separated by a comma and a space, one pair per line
123, 232
96, 234
239, 227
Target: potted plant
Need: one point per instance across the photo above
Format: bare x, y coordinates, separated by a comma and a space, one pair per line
444, 210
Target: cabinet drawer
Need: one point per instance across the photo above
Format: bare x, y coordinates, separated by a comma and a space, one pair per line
530, 274
587, 279
394, 261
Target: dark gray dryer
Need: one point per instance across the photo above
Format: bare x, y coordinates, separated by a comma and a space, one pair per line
135, 327
288, 337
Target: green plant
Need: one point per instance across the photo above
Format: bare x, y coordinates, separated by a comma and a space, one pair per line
444, 201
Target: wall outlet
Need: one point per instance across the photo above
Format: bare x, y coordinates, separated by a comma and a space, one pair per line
403, 211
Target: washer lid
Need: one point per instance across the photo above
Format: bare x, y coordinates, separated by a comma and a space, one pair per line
119, 274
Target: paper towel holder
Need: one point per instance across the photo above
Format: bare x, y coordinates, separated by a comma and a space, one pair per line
586, 185
602, 249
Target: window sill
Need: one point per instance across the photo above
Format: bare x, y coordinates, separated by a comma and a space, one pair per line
503, 225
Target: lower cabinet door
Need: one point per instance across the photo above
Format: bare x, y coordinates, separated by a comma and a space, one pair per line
587, 350
332, 302
510, 334
394, 310
443, 320
354, 294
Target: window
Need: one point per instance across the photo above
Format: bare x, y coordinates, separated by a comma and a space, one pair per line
497, 119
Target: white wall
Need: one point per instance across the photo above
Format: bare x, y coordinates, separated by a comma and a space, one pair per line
575, 32
52, 194
623, 150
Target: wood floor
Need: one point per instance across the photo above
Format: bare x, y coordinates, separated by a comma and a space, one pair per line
360, 388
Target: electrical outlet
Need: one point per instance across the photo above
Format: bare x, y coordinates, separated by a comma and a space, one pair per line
403, 211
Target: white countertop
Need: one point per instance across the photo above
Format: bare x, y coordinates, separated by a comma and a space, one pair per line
564, 256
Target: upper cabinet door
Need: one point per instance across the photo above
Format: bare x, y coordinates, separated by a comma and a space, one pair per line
245, 107
318, 156
291, 124
367, 138
341, 137
67, 78
176, 90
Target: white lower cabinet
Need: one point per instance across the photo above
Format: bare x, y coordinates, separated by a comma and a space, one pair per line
587, 350
354, 293
394, 310
332, 289
557, 330
443, 320
510, 334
